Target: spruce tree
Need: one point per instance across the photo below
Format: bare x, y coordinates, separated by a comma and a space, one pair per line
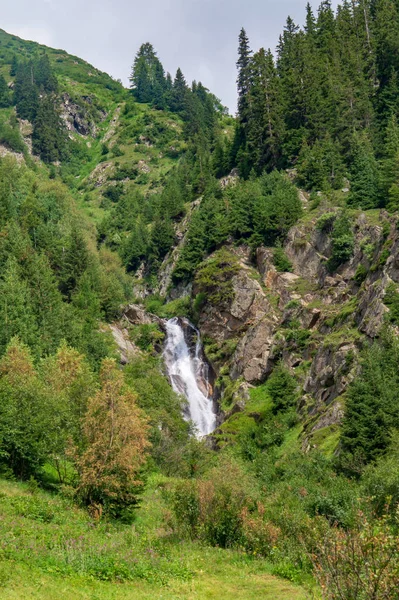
5, 99
148, 77
265, 129
179, 93
49, 137
365, 180
244, 79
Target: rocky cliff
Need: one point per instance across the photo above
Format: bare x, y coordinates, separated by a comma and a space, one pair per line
314, 318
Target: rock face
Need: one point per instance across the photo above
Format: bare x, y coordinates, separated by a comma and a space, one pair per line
253, 359
248, 306
331, 372
77, 116
127, 349
314, 321
136, 315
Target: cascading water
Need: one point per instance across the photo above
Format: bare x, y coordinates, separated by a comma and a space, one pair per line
188, 373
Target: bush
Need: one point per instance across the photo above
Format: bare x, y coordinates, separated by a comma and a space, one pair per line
215, 275
222, 510
343, 242
361, 274
281, 261
360, 563
11, 137
326, 222
146, 336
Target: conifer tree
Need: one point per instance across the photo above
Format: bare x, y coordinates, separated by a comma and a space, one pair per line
14, 66
75, 261
266, 126
16, 312
365, 181
5, 99
390, 165
26, 96
179, 93
148, 77
49, 137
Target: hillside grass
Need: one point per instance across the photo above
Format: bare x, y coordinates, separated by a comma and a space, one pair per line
50, 549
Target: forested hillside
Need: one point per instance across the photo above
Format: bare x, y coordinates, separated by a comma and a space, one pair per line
272, 239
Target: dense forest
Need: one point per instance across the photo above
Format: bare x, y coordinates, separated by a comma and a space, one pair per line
276, 233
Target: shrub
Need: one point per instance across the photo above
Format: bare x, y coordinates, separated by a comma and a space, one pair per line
343, 242
360, 563
222, 509
281, 261
361, 274
146, 336
391, 300
11, 137
215, 275
325, 222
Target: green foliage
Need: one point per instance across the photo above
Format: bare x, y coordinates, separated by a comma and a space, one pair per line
282, 389
371, 408
321, 166
11, 137
281, 261
174, 452
391, 300
361, 274
342, 242
326, 222
49, 137
258, 211
365, 183
147, 336
214, 277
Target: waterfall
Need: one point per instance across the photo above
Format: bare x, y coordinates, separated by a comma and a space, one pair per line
189, 374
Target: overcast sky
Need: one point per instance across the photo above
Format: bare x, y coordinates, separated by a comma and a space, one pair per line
200, 36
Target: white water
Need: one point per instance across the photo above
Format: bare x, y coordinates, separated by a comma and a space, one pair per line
186, 374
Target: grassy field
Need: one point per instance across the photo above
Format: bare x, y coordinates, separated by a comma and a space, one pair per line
50, 550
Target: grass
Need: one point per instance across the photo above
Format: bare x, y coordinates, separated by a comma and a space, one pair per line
50, 549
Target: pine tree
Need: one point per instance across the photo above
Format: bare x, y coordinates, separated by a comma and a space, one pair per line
148, 77
244, 81
390, 165
14, 66
179, 93
49, 137
5, 99
265, 129
75, 261
161, 241
365, 180
26, 96
44, 76
371, 408
17, 316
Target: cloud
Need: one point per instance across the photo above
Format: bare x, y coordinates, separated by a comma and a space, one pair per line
200, 36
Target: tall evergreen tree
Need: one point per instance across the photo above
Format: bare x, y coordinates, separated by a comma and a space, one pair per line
365, 181
49, 137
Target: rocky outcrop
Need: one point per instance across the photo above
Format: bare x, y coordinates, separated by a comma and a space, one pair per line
253, 359
76, 116
136, 315
333, 368
127, 350
101, 174
248, 306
